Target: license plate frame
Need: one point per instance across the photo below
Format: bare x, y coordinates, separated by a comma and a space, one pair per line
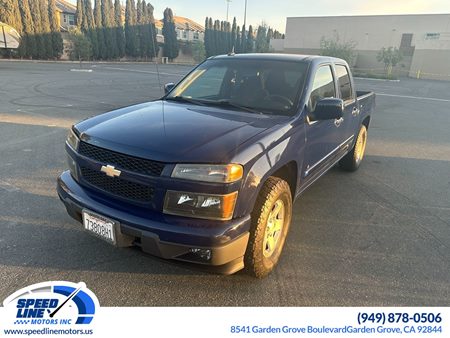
100, 226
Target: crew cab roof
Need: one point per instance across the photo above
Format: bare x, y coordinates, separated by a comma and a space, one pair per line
279, 57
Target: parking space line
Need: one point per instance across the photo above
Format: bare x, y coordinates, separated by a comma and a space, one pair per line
142, 71
414, 97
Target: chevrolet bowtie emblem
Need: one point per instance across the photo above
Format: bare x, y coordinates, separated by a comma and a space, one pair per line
110, 171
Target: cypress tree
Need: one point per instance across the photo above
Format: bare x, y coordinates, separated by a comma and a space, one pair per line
212, 38
233, 35
250, 38
130, 43
46, 30
140, 29
10, 14
237, 43
154, 48
40, 49
243, 40
27, 46
171, 47
218, 45
110, 49
206, 40
120, 37
88, 26
57, 41
79, 13
102, 52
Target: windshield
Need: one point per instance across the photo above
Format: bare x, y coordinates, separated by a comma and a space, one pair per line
259, 86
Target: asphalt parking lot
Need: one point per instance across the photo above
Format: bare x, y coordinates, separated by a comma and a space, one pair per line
377, 237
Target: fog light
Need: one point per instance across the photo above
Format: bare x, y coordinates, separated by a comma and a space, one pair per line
72, 167
204, 254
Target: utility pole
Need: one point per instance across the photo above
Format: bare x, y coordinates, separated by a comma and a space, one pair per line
245, 14
228, 8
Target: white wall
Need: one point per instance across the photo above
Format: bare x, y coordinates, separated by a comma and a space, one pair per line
371, 33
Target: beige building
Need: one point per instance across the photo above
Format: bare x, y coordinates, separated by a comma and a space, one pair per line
187, 29
424, 40
66, 13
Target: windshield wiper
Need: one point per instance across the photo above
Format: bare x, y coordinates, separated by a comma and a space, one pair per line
185, 99
228, 103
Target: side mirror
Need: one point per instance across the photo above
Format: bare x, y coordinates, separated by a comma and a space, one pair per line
168, 87
327, 109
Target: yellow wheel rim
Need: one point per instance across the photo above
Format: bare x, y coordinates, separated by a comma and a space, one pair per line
360, 146
274, 228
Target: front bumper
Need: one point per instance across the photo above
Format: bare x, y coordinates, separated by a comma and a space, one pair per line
165, 236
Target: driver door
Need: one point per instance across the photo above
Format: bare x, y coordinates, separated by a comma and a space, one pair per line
320, 135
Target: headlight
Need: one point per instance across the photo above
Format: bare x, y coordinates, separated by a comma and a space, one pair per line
72, 140
209, 172
218, 207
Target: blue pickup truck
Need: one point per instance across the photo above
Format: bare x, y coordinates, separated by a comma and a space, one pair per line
208, 173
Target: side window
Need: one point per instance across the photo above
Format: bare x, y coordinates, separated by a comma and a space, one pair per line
345, 86
323, 86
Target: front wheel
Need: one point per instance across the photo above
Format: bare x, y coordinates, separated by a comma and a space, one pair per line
353, 159
271, 219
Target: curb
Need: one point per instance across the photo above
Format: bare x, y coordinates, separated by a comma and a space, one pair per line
372, 79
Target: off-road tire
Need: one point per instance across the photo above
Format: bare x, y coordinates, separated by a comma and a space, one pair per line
256, 263
353, 159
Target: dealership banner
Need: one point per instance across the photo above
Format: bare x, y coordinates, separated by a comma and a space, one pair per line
66, 309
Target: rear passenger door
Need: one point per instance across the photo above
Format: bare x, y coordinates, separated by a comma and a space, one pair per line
349, 122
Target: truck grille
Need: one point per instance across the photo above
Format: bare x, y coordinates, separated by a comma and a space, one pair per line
122, 161
117, 186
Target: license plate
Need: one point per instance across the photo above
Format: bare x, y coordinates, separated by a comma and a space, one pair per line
100, 226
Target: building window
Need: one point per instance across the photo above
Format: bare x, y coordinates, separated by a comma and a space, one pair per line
72, 20
196, 36
184, 34
65, 18
432, 36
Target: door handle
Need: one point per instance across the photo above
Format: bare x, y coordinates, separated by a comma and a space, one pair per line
338, 122
355, 111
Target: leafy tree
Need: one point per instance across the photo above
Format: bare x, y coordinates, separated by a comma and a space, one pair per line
80, 46
262, 40
119, 34
335, 48
250, 39
79, 13
27, 46
171, 47
10, 14
198, 51
57, 41
390, 57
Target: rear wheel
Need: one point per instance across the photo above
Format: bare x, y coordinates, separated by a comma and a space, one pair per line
271, 219
353, 159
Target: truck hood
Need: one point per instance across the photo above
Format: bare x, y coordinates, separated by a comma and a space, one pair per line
175, 132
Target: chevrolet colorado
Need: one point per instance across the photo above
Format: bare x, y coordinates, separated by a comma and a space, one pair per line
208, 173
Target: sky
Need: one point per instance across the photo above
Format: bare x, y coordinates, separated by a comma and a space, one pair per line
274, 12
